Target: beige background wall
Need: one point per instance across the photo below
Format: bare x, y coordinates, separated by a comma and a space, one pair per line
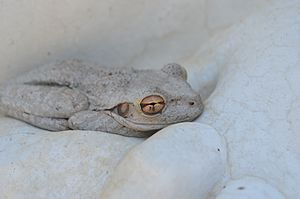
114, 32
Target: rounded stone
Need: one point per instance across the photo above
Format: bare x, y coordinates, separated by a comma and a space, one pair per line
184, 160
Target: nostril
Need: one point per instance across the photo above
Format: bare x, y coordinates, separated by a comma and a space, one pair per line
191, 103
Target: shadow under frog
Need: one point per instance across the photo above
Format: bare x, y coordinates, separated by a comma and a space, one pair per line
78, 95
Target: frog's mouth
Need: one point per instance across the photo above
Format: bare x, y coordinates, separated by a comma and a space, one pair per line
134, 125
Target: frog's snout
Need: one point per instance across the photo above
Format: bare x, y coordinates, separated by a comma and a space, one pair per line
196, 101
196, 105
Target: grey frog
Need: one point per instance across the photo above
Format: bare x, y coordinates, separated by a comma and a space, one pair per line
79, 95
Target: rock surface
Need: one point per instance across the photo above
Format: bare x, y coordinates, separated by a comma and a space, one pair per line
249, 188
255, 104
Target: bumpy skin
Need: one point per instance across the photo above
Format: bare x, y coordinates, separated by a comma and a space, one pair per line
86, 96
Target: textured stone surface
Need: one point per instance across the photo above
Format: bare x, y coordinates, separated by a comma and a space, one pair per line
255, 105
181, 161
249, 188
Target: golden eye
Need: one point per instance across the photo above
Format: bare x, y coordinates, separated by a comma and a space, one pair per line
152, 104
123, 109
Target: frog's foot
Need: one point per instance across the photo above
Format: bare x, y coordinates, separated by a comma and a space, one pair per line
44, 106
48, 123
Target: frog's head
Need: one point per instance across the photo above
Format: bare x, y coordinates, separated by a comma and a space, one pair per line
158, 98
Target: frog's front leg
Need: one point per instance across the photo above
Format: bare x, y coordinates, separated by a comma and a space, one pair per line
100, 121
47, 107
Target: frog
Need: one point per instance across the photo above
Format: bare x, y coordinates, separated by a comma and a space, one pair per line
81, 95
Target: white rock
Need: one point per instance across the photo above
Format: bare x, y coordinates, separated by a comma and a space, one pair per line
255, 105
71, 164
249, 188
181, 161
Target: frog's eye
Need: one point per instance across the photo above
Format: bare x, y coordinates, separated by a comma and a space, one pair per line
123, 109
152, 104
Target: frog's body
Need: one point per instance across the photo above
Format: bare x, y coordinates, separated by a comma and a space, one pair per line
78, 95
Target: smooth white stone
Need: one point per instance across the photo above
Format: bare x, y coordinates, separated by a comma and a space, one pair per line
70, 164
181, 161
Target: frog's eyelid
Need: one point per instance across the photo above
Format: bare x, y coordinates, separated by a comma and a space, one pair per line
123, 109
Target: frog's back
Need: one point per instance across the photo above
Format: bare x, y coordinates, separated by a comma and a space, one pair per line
64, 73
102, 85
